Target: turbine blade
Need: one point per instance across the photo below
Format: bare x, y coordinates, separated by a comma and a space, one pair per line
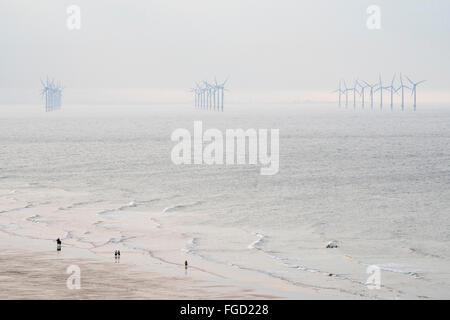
409, 80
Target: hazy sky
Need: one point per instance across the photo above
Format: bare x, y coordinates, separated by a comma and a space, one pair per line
269, 48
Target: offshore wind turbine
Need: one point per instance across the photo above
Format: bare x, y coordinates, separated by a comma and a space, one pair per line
198, 92
45, 92
203, 95
354, 93
209, 89
363, 87
371, 86
214, 90
339, 90
216, 85
402, 87
381, 88
392, 90
206, 93
221, 88
414, 89
346, 90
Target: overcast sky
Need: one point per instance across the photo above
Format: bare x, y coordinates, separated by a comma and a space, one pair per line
134, 49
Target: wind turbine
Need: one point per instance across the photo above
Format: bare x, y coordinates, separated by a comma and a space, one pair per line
381, 88
346, 90
391, 89
54, 94
362, 92
402, 87
339, 90
209, 89
206, 93
371, 86
220, 87
414, 89
214, 90
44, 92
202, 97
354, 93
199, 95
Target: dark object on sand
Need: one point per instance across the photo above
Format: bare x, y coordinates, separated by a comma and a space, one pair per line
185, 264
332, 244
58, 244
118, 254
115, 254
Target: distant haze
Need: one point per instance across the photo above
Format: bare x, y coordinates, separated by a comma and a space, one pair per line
271, 50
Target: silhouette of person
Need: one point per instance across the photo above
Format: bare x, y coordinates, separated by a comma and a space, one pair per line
58, 244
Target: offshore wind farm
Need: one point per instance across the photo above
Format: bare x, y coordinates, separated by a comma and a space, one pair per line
358, 92
52, 94
209, 96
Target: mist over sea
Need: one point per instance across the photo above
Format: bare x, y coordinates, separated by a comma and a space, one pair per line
376, 181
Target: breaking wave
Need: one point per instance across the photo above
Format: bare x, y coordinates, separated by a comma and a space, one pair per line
181, 207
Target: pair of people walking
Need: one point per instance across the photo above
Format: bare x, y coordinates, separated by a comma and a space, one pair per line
117, 254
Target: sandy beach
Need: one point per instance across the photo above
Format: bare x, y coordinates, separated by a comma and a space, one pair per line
36, 274
32, 268
29, 269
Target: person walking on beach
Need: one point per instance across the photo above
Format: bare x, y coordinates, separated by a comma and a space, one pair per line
115, 255
58, 244
118, 254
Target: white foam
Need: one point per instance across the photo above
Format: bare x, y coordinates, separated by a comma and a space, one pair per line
256, 242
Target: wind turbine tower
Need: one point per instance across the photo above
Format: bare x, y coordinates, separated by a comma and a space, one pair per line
414, 89
371, 86
392, 90
354, 93
402, 87
363, 87
339, 90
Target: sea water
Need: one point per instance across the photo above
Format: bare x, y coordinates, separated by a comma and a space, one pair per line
376, 181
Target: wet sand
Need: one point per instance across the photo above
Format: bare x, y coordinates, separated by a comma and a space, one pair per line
28, 274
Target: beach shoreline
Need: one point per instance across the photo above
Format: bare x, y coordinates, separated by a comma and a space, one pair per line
30, 269
43, 274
